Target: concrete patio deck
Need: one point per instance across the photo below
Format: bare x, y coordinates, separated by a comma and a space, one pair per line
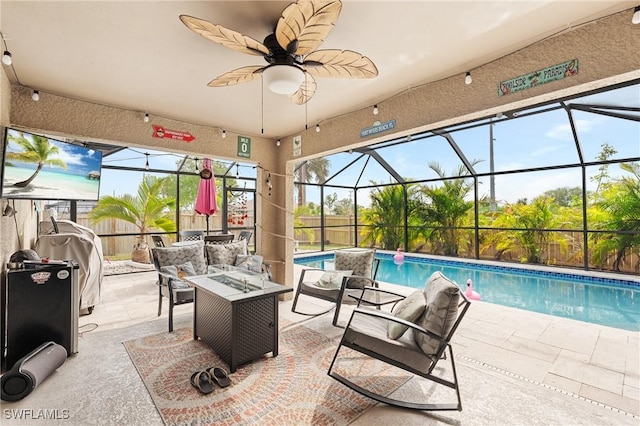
589, 361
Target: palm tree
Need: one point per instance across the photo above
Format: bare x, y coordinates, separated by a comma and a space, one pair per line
316, 170
621, 203
147, 210
384, 219
38, 150
445, 209
526, 229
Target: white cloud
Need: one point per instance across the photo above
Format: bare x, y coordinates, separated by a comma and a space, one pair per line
563, 131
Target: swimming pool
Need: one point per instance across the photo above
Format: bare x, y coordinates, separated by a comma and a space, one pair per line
594, 299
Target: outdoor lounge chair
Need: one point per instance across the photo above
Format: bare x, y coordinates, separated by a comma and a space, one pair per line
354, 269
413, 337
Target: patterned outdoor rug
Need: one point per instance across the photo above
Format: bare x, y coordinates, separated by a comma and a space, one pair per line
292, 388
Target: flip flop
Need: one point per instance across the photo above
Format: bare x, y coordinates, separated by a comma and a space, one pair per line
220, 376
202, 381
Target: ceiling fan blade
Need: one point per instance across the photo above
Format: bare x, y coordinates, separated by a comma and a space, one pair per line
239, 75
306, 90
335, 63
305, 24
224, 36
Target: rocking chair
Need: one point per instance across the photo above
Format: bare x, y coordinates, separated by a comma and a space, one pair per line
354, 269
413, 337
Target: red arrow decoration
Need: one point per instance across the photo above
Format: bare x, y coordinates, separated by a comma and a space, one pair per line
162, 133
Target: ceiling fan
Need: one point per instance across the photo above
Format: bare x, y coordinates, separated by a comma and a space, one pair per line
290, 51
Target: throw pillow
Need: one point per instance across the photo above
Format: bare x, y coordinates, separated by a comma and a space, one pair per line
170, 270
252, 262
442, 297
174, 256
185, 270
332, 279
409, 309
176, 281
358, 261
225, 254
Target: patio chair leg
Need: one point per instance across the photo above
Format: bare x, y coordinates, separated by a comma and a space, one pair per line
159, 301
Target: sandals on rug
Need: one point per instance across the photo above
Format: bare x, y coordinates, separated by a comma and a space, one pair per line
202, 381
220, 376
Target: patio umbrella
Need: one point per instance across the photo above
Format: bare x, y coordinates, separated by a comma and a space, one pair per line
206, 200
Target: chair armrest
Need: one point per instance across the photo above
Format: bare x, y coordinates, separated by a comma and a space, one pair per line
391, 296
390, 317
305, 270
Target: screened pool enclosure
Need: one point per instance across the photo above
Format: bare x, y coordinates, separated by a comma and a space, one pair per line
554, 184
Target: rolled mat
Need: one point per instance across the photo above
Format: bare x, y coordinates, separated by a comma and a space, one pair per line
31, 370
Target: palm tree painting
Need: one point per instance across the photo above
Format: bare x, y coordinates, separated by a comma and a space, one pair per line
36, 150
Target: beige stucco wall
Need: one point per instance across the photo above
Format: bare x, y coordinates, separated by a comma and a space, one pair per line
608, 51
18, 231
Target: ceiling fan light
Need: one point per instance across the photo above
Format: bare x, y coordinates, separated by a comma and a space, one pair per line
283, 79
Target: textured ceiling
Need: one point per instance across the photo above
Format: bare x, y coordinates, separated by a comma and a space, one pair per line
139, 55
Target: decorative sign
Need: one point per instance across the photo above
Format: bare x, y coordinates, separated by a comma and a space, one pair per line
297, 146
244, 147
536, 78
378, 128
162, 133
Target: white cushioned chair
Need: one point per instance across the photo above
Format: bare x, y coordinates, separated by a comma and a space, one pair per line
413, 337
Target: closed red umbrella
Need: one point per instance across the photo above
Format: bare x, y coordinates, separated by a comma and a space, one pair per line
206, 200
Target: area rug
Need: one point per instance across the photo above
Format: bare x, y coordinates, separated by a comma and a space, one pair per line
292, 388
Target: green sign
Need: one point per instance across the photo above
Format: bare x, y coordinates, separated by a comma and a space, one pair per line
244, 147
536, 78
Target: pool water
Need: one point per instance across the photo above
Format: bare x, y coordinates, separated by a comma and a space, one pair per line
614, 303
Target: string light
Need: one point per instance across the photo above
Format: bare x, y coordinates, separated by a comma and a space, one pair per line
635, 19
317, 128
35, 96
278, 142
224, 133
467, 78
375, 110
146, 166
146, 117
6, 58
269, 185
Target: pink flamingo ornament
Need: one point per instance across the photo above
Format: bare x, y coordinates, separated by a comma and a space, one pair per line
398, 258
471, 295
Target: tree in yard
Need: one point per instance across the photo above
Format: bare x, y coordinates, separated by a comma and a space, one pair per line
146, 211
525, 227
606, 152
38, 150
384, 219
445, 210
565, 196
315, 170
620, 203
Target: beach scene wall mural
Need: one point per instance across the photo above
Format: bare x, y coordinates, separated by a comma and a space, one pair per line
42, 168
